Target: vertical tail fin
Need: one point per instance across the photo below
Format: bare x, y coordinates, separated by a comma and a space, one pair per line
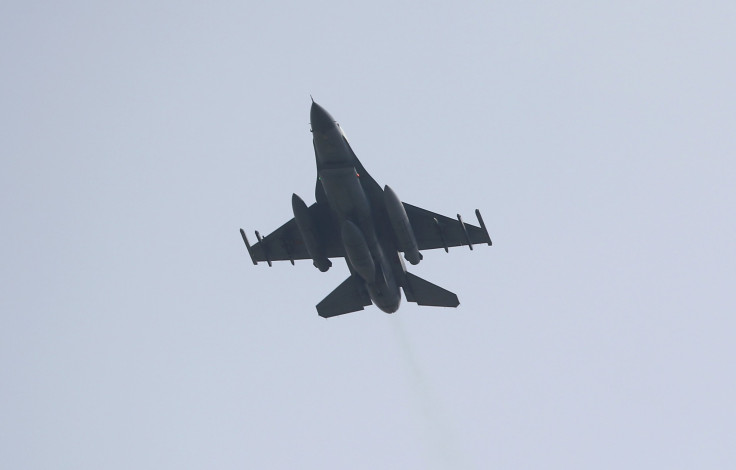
425, 293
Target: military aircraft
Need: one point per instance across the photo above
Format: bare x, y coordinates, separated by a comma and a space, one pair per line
354, 218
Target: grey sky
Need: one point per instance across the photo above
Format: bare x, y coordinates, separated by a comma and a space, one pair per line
596, 138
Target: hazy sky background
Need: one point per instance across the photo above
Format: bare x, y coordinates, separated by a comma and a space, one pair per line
597, 138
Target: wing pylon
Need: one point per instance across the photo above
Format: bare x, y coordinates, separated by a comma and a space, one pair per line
433, 230
286, 244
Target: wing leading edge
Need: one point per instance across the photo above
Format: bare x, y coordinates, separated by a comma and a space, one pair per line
286, 244
433, 230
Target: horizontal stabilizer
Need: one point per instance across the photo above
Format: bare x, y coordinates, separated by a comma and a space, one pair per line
350, 296
425, 293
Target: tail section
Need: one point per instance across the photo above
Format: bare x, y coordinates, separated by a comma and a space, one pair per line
425, 293
350, 296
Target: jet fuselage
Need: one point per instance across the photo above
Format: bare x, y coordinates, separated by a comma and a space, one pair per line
370, 253
368, 225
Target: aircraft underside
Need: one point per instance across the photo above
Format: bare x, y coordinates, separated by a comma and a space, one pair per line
354, 218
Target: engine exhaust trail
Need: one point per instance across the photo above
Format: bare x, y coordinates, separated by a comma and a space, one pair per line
437, 433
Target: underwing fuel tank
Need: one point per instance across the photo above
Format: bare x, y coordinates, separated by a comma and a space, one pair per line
309, 234
401, 226
357, 251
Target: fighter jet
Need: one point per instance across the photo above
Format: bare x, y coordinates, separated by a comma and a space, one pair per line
354, 218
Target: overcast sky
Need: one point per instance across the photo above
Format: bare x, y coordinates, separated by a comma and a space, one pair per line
597, 138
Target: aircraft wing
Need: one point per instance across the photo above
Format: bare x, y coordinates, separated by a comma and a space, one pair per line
433, 230
285, 243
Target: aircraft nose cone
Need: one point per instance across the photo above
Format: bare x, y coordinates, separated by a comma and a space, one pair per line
321, 119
